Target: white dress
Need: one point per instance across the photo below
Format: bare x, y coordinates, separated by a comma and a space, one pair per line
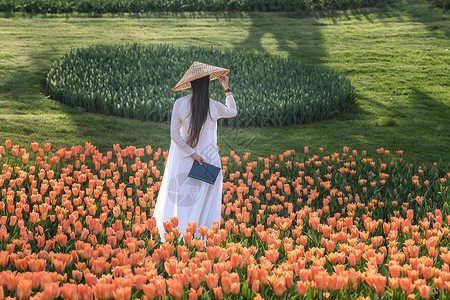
179, 195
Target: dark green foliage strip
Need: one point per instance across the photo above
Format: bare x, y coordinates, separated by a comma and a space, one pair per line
135, 81
138, 6
444, 4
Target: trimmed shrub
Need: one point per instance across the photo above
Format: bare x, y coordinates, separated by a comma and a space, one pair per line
136, 81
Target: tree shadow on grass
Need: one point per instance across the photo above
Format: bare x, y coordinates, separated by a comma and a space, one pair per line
26, 78
296, 37
429, 108
419, 10
382, 13
434, 19
27, 115
406, 126
431, 115
434, 112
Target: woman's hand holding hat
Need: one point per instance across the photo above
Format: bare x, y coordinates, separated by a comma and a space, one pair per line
224, 80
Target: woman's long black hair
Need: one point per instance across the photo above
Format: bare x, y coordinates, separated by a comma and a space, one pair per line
199, 108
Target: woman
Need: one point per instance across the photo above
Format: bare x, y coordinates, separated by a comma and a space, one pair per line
193, 132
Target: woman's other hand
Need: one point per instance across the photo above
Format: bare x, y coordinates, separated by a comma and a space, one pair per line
198, 158
224, 80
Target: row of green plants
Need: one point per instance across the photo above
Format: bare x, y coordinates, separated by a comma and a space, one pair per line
137, 6
444, 4
136, 81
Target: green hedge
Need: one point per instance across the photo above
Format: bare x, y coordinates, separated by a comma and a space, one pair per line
444, 4
135, 81
138, 6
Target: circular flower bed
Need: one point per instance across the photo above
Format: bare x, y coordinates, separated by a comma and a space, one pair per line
135, 81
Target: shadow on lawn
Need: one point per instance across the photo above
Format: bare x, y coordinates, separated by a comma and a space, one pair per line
429, 108
435, 20
382, 13
398, 11
432, 117
299, 37
27, 77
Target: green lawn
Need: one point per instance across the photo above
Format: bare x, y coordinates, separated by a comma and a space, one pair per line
397, 58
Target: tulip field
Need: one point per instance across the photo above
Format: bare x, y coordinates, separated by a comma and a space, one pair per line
76, 223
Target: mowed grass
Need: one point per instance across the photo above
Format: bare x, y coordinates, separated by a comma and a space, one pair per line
396, 57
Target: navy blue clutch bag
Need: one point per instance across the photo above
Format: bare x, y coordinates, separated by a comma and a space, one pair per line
205, 172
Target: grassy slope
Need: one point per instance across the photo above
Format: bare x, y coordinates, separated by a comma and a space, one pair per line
396, 58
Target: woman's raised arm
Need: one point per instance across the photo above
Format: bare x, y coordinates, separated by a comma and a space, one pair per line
229, 110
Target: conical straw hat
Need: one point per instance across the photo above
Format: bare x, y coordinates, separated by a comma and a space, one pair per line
199, 70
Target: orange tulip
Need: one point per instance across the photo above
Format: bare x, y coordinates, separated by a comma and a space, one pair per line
84, 292
24, 288
51, 290
377, 282
439, 283
236, 260
25, 158
139, 281
69, 292
445, 257
406, 285
255, 285
230, 283
272, 255
352, 259
193, 294
395, 269
122, 293
279, 285
10, 280
8, 144
35, 146
103, 291
149, 291
175, 286
302, 286
424, 291
413, 274
321, 280
218, 293
77, 275
171, 266
227, 282
203, 230
427, 272
393, 283
235, 284
212, 280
